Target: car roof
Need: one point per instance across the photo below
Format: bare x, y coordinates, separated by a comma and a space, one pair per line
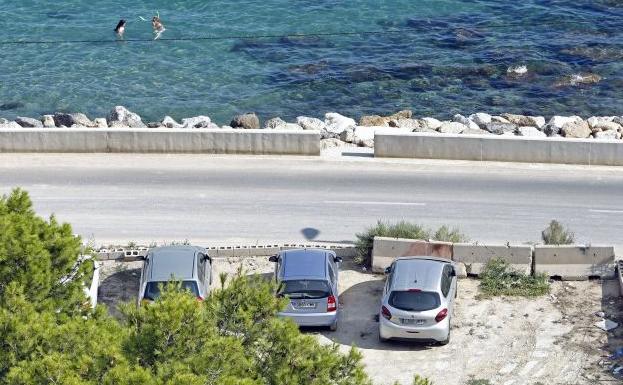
172, 261
423, 273
305, 263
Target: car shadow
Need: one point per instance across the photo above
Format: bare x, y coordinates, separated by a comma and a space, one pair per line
358, 321
117, 288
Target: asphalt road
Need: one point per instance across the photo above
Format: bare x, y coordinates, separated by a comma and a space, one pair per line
218, 199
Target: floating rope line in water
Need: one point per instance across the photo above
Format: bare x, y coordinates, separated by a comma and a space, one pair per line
200, 38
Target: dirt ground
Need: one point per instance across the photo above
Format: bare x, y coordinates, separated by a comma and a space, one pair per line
508, 341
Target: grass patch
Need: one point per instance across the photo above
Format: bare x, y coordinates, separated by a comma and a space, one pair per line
402, 229
557, 234
498, 278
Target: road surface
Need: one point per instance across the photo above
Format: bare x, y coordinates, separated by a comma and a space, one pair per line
209, 200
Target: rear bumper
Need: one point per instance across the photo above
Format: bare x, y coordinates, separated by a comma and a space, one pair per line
438, 332
311, 319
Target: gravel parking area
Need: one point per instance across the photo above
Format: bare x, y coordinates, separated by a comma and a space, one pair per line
508, 341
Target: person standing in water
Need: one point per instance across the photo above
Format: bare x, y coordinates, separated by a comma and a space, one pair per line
158, 26
120, 28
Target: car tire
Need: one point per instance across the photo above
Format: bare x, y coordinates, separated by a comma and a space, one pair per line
381, 339
333, 326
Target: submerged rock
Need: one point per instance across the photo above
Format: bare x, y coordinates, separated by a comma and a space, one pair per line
578, 79
122, 117
28, 122
11, 106
247, 121
517, 71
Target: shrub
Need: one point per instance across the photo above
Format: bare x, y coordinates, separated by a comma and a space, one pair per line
557, 234
498, 278
402, 229
445, 234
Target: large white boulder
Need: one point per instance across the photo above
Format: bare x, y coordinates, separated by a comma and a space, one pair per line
480, 118
430, 123
336, 123
311, 123
465, 121
452, 128
364, 133
122, 117
558, 121
200, 121
531, 131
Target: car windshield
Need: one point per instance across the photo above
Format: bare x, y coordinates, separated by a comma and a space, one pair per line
414, 300
152, 291
304, 288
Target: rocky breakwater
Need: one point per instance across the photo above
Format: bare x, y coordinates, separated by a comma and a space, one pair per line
339, 130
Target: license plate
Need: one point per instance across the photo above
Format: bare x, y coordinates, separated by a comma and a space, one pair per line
412, 321
304, 305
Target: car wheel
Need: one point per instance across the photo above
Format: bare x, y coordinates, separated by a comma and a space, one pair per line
333, 326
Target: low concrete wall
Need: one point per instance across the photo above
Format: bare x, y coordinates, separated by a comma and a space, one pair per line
573, 262
475, 257
158, 140
385, 250
231, 251
499, 148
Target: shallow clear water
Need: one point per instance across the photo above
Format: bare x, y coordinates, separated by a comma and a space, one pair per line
450, 56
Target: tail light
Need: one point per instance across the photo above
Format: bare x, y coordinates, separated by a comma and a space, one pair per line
385, 312
331, 305
441, 315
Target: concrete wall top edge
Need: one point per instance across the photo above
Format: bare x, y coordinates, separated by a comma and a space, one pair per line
411, 240
159, 130
497, 137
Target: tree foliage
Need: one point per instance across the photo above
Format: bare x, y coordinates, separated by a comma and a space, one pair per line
557, 234
39, 255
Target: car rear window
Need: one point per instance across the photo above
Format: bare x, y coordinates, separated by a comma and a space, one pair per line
414, 300
304, 288
152, 290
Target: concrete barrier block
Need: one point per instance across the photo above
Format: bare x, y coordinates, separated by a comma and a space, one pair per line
427, 146
607, 152
385, 250
515, 149
574, 262
475, 257
570, 151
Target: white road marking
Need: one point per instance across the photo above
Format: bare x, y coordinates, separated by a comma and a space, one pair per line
606, 211
370, 203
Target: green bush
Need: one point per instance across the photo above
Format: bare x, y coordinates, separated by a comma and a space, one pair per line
402, 229
557, 234
498, 278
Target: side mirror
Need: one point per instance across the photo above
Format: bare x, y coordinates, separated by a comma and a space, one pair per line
273, 258
388, 270
337, 259
452, 273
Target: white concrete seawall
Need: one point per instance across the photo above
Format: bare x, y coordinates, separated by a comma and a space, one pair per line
499, 148
159, 140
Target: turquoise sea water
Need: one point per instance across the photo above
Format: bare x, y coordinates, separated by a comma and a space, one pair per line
448, 57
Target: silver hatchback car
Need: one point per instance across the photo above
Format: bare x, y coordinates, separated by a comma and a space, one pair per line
190, 265
418, 299
308, 278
